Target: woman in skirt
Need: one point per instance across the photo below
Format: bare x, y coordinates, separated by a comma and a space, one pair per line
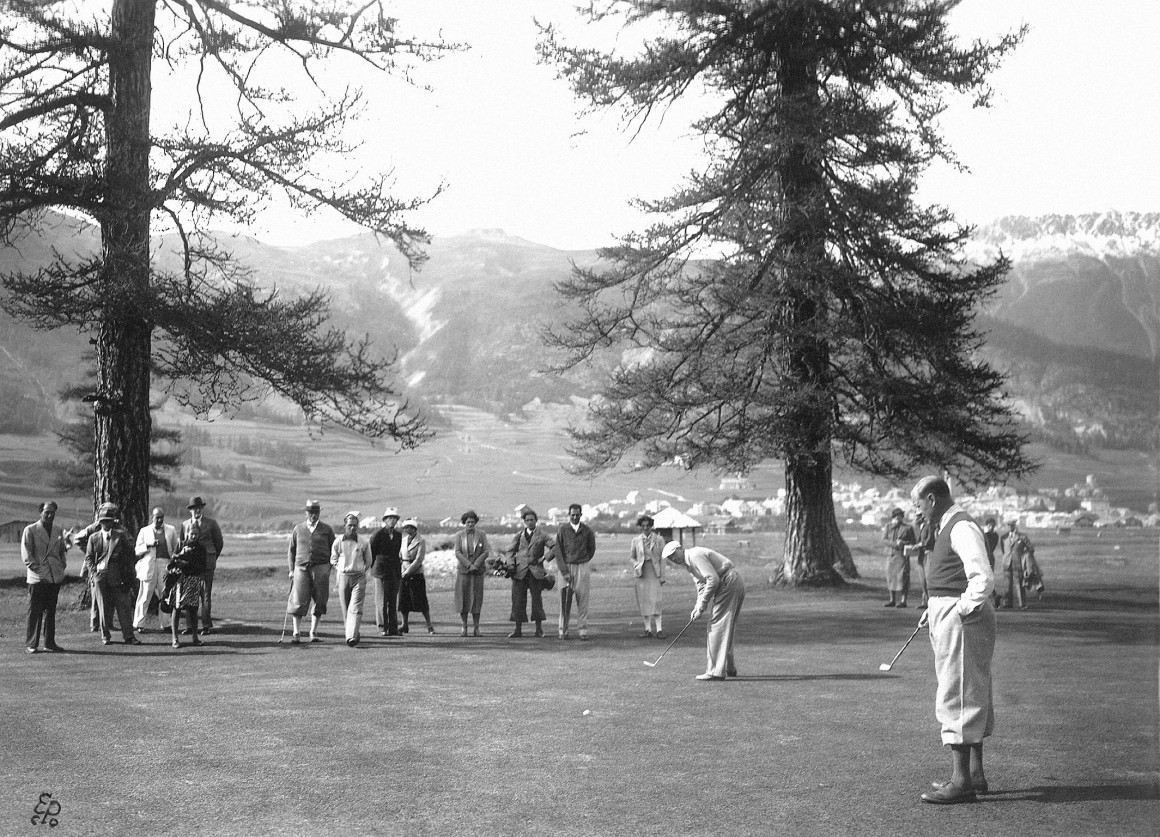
413, 593
185, 585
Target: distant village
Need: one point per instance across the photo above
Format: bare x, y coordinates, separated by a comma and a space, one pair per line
1082, 505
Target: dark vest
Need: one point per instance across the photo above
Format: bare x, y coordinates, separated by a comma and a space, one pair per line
945, 575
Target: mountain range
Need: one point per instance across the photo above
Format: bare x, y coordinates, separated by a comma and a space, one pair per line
1077, 324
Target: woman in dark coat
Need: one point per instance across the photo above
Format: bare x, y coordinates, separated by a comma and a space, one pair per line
185, 584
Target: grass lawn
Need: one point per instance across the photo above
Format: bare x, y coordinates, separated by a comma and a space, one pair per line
447, 736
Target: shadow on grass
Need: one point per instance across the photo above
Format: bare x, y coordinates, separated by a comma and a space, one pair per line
1055, 794
775, 678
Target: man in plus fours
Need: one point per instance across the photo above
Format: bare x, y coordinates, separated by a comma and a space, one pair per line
309, 555
962, 634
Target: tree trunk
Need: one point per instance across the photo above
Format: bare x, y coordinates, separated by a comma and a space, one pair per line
813, 544
815, 554
124, 335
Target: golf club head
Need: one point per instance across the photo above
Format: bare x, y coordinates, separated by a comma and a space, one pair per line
884, 667
650, 665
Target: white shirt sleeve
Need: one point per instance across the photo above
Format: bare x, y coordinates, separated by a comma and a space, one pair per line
967, 542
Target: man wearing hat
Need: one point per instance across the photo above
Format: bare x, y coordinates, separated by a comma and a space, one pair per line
387, 571
351, 558
311, 543
897, 535
110, 562
529, 548
210, 538
721, 591
962, 634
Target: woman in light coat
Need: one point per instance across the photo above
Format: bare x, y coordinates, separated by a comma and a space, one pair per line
413, 592
471, 553
648, 568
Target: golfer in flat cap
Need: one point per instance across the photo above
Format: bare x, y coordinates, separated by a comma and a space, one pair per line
720, 590
962, 634
309, 556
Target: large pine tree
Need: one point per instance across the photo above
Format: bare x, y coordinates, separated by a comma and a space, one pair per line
793, 300
76, 87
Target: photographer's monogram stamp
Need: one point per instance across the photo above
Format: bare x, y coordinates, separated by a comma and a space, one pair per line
46, 810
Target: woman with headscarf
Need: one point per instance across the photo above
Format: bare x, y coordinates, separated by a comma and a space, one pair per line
471, 553
413, 592
648, 568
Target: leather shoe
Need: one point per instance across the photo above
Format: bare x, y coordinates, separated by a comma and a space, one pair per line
660, 634
53, 647
731, 672
949, 794
515, 634
979, 785
707, 676
133, 641
890, 604
105, 640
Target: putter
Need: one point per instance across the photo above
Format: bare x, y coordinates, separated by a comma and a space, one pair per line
890, 665
671, 644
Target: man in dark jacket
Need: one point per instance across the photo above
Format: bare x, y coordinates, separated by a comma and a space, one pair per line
575, 546
526, 555
387, 572
112, 564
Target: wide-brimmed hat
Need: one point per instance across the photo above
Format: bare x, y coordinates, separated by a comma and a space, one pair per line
390, 511
410, 521
669, 549
897, 513
196, 503
312, 505
109, 511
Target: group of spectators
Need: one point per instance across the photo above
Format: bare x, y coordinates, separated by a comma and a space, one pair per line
161, 572
169, 572
392, 557
905, 541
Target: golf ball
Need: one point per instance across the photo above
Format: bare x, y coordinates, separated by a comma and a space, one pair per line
587, 711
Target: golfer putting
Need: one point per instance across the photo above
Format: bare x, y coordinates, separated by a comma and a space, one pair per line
720, 590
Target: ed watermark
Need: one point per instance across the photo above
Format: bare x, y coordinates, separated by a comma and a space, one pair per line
46, 811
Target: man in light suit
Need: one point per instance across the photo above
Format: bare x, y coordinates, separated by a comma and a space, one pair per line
156, 544
43, 546
210, 537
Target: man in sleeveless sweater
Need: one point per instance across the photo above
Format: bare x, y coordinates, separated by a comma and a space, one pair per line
309, 557
962, 634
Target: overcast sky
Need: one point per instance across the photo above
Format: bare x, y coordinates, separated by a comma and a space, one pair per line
1073, 128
